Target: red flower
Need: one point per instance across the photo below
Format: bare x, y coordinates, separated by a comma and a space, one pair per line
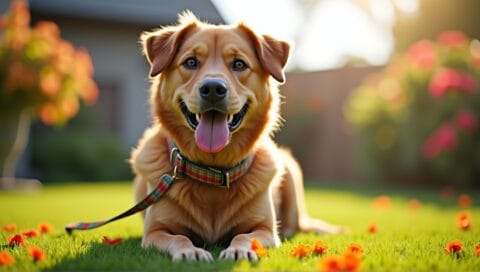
381, 202
330, 263
466, 120
447, 79
442, 139
452, 39
36, 253
258, 248
350, 261
372, 228
45, 228
414, 204
477, 250
111, 242
454, 246
6, 258
319, 248
9, 228
464, 201
422, 53
301, 251
16, 240
32, 233
354, 249
463, 221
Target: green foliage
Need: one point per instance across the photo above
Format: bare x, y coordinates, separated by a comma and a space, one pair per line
417, 120
75, 155
406, 240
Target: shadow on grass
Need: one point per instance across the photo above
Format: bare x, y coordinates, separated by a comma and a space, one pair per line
130, 256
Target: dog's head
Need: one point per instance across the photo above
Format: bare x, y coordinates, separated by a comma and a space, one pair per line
211, 85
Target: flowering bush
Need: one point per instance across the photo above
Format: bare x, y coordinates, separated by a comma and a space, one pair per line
41, 71
418, 119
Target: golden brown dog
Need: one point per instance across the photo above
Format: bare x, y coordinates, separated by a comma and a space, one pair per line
212, 96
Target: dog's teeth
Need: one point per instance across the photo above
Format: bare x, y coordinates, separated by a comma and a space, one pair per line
230, 118
198, 117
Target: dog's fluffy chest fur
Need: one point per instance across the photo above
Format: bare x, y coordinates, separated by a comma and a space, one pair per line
224, 212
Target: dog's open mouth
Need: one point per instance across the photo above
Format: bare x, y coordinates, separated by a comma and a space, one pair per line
213, 128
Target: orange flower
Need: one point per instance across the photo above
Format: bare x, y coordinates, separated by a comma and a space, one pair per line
414, 204
464, 201
477, 250
372, 228
32, 233
258, 248
16, 240
112, 242
330, 263
6, 258
36, 253
301, 251
355, 249
319, 247
9, 228
351, 261
463, 221
454, 246
381, 202
45, 228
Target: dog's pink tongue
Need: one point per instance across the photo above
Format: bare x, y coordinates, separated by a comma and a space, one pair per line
212, 132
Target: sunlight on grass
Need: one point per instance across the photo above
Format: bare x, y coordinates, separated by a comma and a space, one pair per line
407, 238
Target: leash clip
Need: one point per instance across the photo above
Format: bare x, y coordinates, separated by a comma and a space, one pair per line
174, 157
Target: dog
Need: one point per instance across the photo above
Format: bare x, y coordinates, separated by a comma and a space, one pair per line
215, 106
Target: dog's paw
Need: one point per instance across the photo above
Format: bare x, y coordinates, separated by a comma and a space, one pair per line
238, 253
192, 254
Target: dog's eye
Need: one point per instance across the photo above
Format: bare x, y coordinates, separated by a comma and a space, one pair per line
191, 63
239, 65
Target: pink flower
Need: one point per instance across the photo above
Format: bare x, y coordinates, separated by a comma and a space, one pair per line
448, 79
452, 39
466, 120
441, 140
422, 53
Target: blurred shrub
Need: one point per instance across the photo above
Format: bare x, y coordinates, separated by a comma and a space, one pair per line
418, 119
79, 156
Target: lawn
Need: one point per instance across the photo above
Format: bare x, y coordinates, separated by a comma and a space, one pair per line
409, 237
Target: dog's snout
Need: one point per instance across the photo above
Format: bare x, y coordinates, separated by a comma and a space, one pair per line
213, 90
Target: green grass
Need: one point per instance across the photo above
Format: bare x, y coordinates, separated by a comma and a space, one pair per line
405, 241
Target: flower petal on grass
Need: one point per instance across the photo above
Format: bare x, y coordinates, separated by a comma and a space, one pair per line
111, 242
36, 254
16, 240
319, 248
372, 228
258, 248
381, 202
463, 221
45, 228
9, 227
6, 258
354, 248
454, 246
330, 263
301, 251
32, 233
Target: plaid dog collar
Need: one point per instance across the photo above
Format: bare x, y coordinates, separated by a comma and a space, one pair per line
215, 176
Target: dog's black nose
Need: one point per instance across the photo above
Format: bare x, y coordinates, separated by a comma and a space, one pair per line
213, 90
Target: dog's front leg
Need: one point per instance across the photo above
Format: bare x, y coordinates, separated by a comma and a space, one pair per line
240, 247
179, 247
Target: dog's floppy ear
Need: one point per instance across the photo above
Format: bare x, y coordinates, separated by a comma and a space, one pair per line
160, 46
272, 53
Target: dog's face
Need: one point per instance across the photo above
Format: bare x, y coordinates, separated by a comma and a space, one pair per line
212, 82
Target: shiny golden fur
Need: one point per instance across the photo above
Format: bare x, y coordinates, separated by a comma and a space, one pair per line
192, 215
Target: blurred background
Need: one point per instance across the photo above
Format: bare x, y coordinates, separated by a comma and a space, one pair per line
377, 91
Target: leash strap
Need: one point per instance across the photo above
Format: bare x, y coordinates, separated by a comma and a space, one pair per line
165, 182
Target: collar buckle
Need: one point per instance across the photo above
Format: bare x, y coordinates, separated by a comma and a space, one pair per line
225, 177
175, 157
